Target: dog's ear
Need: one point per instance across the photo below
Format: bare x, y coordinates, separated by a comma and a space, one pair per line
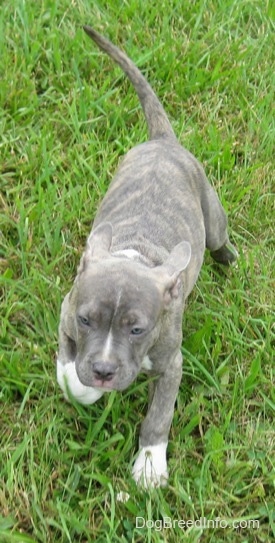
100, 240
97, 246
169, 273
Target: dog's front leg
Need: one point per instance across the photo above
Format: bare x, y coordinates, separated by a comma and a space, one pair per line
150, 468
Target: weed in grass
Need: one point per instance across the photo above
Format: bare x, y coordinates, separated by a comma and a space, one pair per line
67, 115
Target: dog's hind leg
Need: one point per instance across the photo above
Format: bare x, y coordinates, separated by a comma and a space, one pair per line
215, 220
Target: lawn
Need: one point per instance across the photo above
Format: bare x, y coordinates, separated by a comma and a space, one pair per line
67, 115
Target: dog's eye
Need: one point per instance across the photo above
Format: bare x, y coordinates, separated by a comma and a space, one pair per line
136, 331
83, 320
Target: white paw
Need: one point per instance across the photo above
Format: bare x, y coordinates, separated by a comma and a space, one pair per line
67, 379
150, 467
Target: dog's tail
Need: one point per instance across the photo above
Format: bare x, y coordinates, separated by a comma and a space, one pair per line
156, 118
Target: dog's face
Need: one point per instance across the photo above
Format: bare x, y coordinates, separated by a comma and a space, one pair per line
116, 309
117, 319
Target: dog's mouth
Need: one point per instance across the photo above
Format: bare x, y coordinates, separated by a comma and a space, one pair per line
104, 385
108, 386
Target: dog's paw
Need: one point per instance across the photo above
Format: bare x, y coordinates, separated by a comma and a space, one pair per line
150, 467
68, 381
227, 254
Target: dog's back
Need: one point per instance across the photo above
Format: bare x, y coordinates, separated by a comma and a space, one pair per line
160, 194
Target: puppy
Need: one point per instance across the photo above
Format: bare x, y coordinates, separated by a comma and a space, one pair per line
123, 314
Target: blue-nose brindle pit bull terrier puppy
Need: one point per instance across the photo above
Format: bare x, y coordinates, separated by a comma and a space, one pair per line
123, 315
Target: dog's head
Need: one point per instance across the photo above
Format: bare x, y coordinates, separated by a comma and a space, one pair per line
116, 308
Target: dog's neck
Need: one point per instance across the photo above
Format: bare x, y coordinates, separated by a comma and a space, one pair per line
128, 253
132, 254
139, 250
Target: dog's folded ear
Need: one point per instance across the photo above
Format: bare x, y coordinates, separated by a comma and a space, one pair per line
100, 240
97, 246
169, 273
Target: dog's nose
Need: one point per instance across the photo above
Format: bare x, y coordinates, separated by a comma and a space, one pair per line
104, 370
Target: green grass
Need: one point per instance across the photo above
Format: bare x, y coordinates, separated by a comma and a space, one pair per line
67, 115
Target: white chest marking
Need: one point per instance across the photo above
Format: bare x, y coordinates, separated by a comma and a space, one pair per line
147, 364
67, 379
150, 467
